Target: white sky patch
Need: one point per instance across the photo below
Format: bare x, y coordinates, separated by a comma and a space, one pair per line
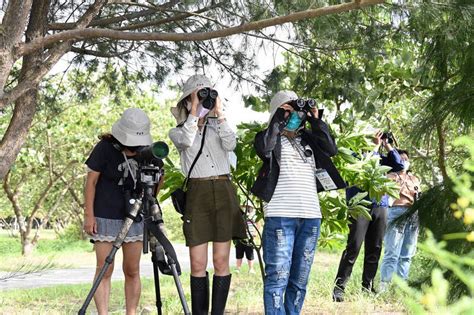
268, 57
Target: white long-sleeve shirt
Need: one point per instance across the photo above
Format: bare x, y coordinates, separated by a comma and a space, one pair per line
214, 159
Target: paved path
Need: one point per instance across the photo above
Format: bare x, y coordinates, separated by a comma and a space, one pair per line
85, 275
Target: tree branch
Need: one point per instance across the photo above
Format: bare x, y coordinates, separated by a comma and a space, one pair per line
442, 150
81, 34
13, 197
36, 74
96, 53
177, 17
103, 21
116, 19
72, 192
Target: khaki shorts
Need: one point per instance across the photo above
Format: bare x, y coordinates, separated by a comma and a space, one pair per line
212, 212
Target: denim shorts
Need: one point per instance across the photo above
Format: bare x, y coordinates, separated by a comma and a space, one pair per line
108, 229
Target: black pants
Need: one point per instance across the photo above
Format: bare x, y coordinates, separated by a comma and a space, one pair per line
360, 230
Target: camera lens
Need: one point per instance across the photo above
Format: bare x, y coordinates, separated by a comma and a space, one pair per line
160, 149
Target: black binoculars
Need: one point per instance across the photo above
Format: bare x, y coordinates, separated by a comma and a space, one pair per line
303, 104
208, 97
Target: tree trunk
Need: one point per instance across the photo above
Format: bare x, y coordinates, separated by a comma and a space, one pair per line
441, 150
25, 106
27, 245
17, 132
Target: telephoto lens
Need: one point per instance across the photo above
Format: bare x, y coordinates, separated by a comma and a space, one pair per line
155, 152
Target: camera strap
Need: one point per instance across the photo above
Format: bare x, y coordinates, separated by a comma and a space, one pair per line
130, 170
185, 183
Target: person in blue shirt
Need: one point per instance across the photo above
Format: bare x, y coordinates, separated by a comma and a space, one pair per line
370, 231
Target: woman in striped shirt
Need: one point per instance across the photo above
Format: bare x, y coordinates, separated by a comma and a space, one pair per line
296, 166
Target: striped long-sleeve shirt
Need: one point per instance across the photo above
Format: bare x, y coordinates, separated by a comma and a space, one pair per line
295, 194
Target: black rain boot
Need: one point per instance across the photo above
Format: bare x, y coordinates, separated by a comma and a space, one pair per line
220, 290
200, 295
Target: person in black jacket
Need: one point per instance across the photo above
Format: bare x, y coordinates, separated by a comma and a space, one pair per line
369, 231
296, 166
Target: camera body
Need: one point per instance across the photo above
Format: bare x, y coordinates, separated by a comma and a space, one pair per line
389, 136
150, 161
208, 97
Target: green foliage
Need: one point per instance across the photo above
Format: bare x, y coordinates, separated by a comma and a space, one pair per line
248, 162
437, 297
370, 177
73, 112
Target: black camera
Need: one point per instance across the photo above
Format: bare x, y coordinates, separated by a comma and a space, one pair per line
150, 160
389, 136
208, 97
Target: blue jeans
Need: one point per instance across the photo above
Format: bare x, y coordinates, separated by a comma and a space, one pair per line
289, 245
400, 244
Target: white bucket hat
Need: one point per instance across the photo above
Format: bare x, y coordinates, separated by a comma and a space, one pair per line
193, 83
280, 98
133, 128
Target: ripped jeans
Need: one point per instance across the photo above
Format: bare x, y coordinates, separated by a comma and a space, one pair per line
289, 245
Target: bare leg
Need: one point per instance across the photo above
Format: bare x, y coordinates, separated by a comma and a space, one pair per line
238, 263
131, 270
220, 255
198, 256
102, 295
250, 265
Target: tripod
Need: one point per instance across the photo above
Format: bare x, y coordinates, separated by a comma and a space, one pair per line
163, 255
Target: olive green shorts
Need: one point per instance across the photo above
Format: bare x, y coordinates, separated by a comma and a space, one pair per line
212, 213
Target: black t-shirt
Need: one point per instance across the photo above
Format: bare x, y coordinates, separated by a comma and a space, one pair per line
114, 180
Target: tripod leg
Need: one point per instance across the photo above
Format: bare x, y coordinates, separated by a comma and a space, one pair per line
108, 261
179, 287
127, 223
156, 276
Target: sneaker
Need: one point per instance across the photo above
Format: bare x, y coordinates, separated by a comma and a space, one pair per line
237, 270
338, 294
252, 271
383, 287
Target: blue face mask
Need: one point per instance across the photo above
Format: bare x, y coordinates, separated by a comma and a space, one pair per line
294, 122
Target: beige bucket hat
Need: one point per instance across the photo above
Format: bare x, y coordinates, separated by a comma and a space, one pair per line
195, 82
133, 128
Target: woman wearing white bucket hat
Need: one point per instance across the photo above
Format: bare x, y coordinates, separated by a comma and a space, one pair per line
212, 211
294, 157
111, 172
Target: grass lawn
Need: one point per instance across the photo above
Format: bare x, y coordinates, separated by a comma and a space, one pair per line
245, 296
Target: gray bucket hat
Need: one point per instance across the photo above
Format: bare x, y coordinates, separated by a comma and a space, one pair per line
133, 128
195, 82
280, 98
